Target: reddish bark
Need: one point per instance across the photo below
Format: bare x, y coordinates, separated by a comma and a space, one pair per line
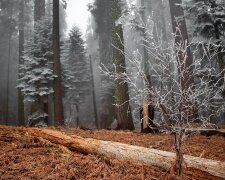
58, 104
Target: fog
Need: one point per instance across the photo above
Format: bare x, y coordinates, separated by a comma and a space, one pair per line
89, 89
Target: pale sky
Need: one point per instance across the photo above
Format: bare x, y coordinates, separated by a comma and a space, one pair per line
77, 14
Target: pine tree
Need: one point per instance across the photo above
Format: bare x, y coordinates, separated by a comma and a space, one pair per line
37, 76
75, 68
208, 18
77, 61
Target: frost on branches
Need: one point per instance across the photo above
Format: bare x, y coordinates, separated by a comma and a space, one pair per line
37, 74
180, 110
167, 66
208, 18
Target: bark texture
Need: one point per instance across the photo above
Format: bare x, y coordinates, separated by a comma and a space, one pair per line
147, 100
123, 111
58, 105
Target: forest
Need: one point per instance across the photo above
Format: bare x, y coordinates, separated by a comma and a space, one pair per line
138, 94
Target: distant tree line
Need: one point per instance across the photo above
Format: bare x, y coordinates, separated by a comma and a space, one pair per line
58, 80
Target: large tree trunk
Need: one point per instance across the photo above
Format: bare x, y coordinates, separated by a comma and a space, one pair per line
154, 157
123, 111
103, 29
21, 116
180, 37
184, 59
58, 104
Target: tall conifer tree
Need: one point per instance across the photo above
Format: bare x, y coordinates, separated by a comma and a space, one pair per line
123, 111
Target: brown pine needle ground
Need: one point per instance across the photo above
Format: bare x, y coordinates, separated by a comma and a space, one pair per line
25, 157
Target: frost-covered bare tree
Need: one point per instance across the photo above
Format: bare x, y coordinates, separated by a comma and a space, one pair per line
175, 105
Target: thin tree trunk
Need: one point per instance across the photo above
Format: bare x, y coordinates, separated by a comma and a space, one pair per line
93, 95
123, 110
21, 116
8, 79
179, 163
78, 119
59, 116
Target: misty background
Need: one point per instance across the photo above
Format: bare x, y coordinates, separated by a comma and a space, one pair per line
86, 44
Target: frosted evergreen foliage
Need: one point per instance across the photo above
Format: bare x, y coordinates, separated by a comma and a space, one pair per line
208, 17
67, 75
76, 77
34, 119
75, 66
37, 70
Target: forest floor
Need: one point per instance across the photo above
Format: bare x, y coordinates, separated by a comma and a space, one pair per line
28, 157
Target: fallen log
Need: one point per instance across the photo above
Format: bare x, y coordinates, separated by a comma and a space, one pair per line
205, 132
154, 157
